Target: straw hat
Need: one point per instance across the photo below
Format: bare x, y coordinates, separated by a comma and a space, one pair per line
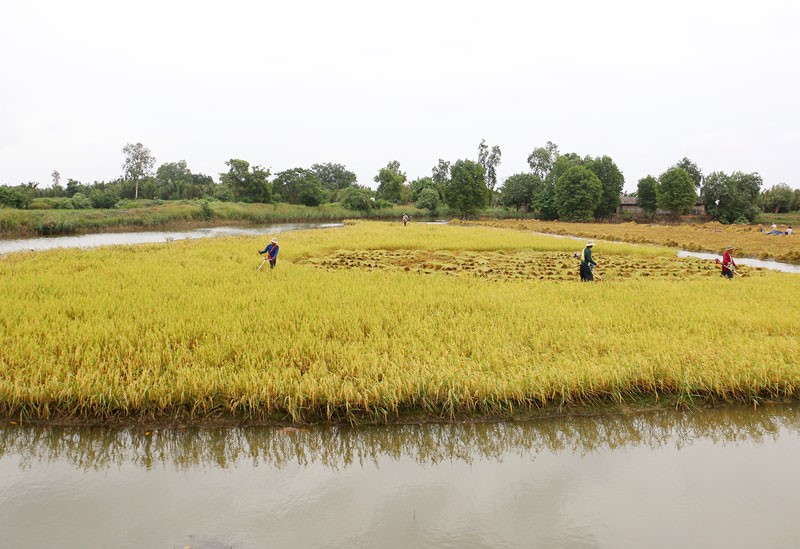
729, 248
274, 241
590, 244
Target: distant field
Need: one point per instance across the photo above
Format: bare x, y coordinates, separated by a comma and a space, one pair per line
705, 237
375, 322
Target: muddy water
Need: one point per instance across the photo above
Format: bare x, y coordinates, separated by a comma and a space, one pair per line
147, 237
716, 478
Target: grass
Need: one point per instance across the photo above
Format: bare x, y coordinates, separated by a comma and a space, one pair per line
148, 214
191, 331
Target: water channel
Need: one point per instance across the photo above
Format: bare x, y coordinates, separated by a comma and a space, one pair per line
703, 478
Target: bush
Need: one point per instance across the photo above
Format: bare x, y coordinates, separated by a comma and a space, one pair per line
81, 201
14, 198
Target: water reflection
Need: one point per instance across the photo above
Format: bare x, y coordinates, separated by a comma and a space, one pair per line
337, 447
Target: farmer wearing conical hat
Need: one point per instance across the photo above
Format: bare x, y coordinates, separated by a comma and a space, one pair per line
728, 264
272, 252
587, 263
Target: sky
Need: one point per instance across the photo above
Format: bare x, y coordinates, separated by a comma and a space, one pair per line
362, 83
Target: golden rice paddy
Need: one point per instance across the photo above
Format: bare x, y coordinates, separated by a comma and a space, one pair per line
699, 237
375, 322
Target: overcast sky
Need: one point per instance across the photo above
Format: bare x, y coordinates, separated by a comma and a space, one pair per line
292, 83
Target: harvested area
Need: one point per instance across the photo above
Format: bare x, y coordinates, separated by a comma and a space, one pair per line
519, 265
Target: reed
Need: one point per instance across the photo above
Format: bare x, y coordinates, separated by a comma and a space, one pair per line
189, 330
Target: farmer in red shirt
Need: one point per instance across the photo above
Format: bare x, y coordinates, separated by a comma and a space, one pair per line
728, 264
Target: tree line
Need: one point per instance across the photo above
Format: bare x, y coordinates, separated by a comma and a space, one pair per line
557, 186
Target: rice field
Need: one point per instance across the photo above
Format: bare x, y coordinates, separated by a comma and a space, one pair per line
376, 322
698, 237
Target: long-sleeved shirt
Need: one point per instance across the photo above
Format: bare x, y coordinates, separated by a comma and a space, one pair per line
587, 256
271, 250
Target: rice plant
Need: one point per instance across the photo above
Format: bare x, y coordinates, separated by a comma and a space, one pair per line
342, 331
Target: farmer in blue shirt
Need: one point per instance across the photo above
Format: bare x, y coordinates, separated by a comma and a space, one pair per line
272, 252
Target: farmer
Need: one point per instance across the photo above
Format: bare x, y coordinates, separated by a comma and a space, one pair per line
789, 230
405, 220
728, 264
587, 263
272, 252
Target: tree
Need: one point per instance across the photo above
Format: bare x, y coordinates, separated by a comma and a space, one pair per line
334, 176
578, 192
466, 192
428, 199
676, 192
777, 199
247, 185
420, 184
138, 164
390, 182
517, 191
173, 180
541, 160
732, 198
544, 199
299, 186
612, 181
357, 199
73, 187
694, 172
441, 176
56, 178
489, 160
14, 198
647, 195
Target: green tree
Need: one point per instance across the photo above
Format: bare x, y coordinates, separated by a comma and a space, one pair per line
173, 181
138, 164
441, 176
777, 199
647, 195
694, 172
103, 198
420, 184
334, 176
489, 160
796, 200
357, 199
466, 192
541, 160
517, 191
577, 194
11, 197
732, 198
390, 182
299, 186
428, 199
676, 192
612, 180
247, 185
544, 198
73, 187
